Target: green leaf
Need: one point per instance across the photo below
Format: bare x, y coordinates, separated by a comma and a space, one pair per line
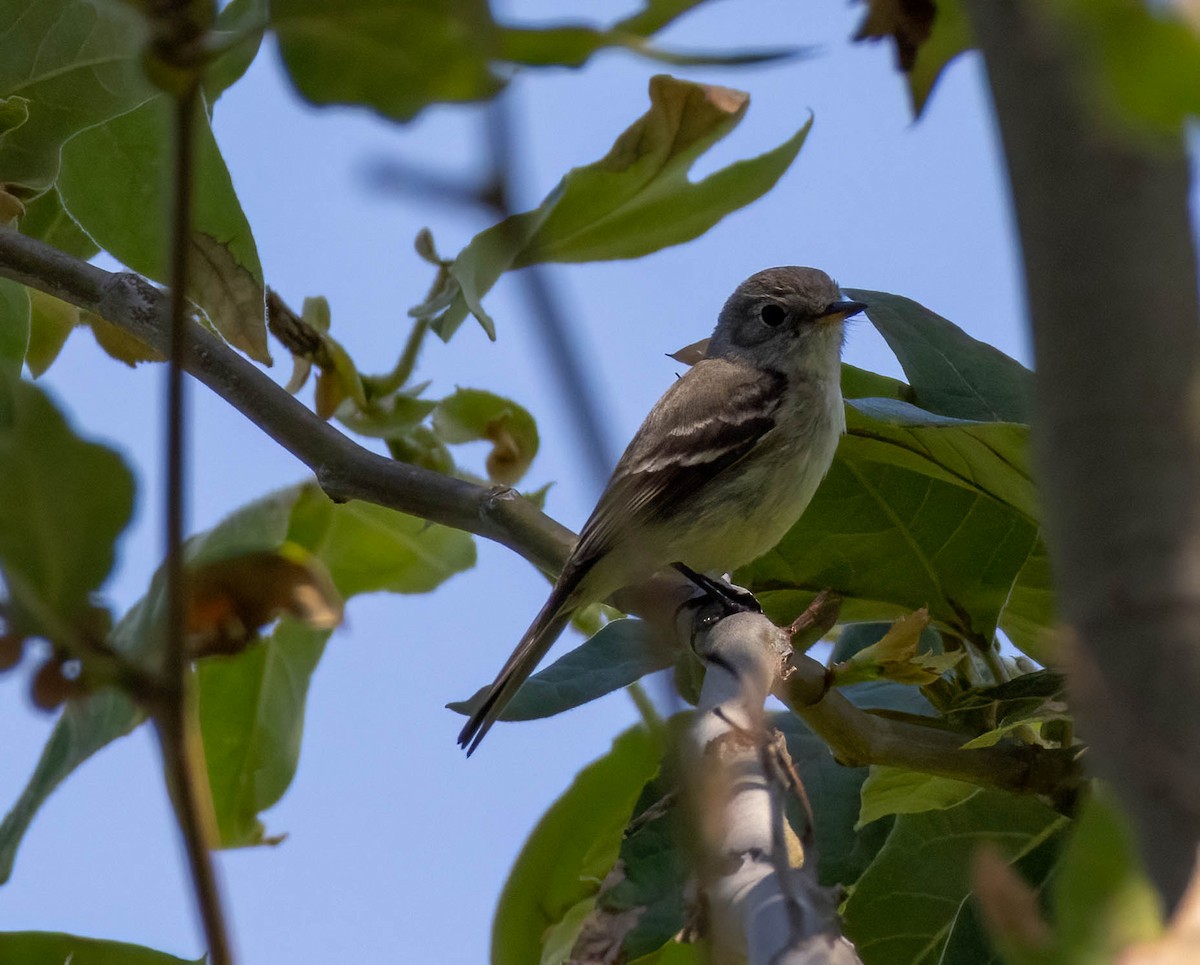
1102, 898
614, 657
14, 112
861, 384
251, 721
843, 850
635, 200
63, 502
572, 848
51, 321
369, 548
89, 724
55, 948
951, 373
395, 56
85, 726
1030, 613
14, 328
891, 539
560, 937
414, 557
1143, 61
905, 904
125, 165
968, 940
649, 883
78, 64
950, 36
46, 218
988, 457
572, 45
893, 790
473, 414
675, 953
241, 24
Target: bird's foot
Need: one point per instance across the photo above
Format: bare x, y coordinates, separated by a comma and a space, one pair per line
734, 599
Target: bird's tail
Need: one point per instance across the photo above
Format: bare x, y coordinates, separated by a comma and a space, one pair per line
539, 638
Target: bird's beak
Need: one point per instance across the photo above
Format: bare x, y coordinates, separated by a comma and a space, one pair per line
837, 311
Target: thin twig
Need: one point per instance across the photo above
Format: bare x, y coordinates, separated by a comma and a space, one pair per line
183, 761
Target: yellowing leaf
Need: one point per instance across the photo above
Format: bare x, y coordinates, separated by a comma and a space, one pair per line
895, 656
230, 600
119, 343
635, 200
11, 209
329, 393
231, 295
50, 322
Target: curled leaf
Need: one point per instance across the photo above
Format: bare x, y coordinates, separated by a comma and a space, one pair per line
473, 414
895, 656
230, 600
329, 394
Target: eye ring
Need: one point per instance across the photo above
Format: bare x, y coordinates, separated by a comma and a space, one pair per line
772, 314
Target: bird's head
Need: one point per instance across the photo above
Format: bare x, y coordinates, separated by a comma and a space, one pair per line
790, 319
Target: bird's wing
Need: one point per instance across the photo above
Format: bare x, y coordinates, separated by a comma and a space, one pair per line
706, 422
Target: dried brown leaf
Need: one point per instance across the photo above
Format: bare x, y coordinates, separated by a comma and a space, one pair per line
230, 600
907, 22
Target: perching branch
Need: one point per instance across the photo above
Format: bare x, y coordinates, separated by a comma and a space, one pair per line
344, 469
762, 904
1110, 268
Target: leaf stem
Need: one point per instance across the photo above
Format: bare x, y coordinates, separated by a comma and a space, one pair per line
380, 385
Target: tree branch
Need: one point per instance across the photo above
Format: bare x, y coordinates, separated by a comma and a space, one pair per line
344, 469
1110, 268
763, 904
858, 738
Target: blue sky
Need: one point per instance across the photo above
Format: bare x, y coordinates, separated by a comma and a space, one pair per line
395, 841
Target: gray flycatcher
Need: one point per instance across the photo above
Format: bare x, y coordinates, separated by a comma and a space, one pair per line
724, 464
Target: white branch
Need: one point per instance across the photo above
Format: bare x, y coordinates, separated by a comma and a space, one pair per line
761, 905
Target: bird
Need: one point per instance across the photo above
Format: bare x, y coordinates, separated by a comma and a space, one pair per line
721, 468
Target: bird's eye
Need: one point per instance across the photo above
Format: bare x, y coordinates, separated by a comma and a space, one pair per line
772, 314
